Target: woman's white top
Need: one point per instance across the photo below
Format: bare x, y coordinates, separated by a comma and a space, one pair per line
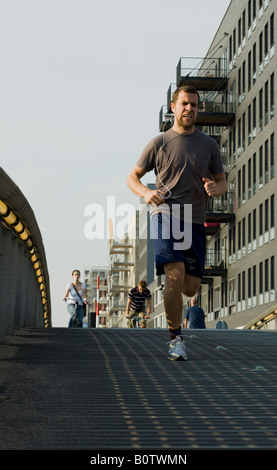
73, 297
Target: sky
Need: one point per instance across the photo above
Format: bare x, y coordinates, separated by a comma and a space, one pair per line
81, 86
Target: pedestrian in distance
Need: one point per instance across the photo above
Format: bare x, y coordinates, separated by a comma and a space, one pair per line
194, 316
188, 169
137, 297
76, 298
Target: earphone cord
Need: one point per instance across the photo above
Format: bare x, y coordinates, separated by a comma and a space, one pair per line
165, 143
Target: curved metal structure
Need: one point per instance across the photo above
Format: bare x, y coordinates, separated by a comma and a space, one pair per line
24, 278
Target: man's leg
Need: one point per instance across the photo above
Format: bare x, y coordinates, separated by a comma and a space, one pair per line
131, 321
177, 282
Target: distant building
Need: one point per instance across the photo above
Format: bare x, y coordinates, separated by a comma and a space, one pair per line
123, 273
91, 282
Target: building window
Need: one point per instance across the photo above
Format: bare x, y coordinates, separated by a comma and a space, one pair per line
266, 162
254, 173
249, 178
232, 244
272, 95
271, 39
266, 45
261, 224
243, 132
243, 185
272, 217
232, 291
210, 299
266, 104
243, 28
254, 113
260, 167
261, 284
266, 216
234, 144
254, 283
249, 232
234, 44
254, 64
266, 281
239, 138
239, 188
158, 297
243, 81
230, 50
239, 240
243, 237
217, 298
249, 18
224, 298
249, 125
239, 34
249, 71
261, 53
243, 290
230, 149
272, 155
260, 8
254, 228
239, 87
249, 287
272, 278
261, 110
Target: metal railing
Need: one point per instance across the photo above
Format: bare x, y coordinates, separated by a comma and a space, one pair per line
201, 67
222, 205
24, 279
216, 258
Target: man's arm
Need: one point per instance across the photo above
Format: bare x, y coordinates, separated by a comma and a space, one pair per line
216, 187
128, 306
133, 182
148, 307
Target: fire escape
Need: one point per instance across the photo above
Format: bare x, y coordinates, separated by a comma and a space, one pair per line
216, 113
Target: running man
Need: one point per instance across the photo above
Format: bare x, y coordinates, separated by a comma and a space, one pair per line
188, 169
136, 304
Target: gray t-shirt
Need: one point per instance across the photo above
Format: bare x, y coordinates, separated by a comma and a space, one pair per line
180, 162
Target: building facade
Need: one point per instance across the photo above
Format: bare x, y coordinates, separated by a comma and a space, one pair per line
236, 81
123, 272
91, 276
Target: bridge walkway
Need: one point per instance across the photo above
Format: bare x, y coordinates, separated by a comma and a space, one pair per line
114, 389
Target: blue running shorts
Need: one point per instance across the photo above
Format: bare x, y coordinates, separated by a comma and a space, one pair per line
165, 251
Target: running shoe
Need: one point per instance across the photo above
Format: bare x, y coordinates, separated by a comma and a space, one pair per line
177, 351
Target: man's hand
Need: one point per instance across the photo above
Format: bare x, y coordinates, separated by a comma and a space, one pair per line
215, 188
153, 197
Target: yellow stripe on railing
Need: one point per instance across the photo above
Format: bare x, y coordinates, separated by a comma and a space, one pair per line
22, 232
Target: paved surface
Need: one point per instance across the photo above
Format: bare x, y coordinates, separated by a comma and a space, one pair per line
115, 389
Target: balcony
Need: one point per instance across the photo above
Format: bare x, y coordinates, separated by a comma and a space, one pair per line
216, 109
211, 228
164, 123
120, 247
221, 209
206, 74
118, 289
117, 308
215, 262
209, 76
